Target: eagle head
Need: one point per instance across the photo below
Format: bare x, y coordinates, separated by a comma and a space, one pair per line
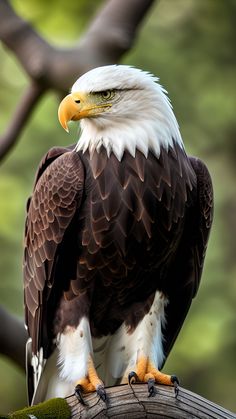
120, 107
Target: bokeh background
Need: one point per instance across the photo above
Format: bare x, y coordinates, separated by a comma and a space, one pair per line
191, 46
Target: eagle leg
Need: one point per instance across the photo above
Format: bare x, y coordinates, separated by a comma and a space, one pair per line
148, 373
153, 374
138, 375
90, 383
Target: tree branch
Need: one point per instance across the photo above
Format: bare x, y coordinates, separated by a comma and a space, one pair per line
13, 337
130, 402
113, 31
21, 116
109, 36
28, 46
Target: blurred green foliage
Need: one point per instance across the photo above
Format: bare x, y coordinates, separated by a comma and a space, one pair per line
190, 45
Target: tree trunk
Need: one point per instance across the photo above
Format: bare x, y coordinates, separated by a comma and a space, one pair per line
133, 402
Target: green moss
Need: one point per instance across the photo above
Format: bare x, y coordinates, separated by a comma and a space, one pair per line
51, 409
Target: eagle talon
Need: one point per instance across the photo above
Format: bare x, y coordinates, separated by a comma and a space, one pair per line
101, 392
132, 378
151, 387
175, 382
78, 390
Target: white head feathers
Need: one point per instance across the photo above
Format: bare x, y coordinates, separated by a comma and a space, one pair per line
142, 117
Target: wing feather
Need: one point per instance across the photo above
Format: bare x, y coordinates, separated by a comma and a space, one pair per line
188, 263
56, 198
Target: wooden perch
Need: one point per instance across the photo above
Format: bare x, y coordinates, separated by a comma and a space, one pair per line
124, 401
133, 402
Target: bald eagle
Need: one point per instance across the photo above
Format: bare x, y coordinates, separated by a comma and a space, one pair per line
115, 239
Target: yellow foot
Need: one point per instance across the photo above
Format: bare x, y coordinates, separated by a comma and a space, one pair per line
146, 372
90, 383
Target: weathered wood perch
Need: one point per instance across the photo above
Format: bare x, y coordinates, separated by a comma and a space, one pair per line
133, 402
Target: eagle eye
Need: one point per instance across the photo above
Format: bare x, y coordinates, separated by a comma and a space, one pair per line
107, 94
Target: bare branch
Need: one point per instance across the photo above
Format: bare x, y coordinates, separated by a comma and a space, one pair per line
109, 36
22, 113
133, 401
12, 337
125, 401
28, 46
113, 30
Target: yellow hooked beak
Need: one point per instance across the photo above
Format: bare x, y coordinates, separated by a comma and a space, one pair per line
76, 106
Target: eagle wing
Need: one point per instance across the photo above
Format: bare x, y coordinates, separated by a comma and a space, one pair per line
56, 198
185, 274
